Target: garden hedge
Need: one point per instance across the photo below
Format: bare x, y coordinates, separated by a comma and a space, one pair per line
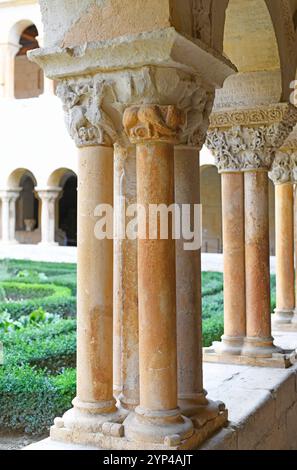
23, 298
37, 379
30, 399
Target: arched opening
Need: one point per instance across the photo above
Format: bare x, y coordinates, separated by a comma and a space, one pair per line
66, 208
28, 76
211, 210
27, 206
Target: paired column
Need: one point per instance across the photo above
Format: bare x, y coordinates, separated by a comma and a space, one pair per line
158, 416
282, 176
244, 155
9, 198
48, 214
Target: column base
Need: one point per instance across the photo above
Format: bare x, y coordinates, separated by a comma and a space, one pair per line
46, 244
259, 347
229, 345
125, 404
157, 427
137, 435
277, 360
289, 326
88, 417
282, 316
205, 414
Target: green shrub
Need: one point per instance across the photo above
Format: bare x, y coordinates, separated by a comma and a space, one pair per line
52, 298
212, 283
51, 346
212, 305
30, 400
212, 330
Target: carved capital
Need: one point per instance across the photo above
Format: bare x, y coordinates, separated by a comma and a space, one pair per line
227, 147
94, 106
281, 171
153, 123
87, 121
250, 136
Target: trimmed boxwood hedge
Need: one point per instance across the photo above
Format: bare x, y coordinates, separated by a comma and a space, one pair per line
37, 380
52, 298
30, 399
51, 346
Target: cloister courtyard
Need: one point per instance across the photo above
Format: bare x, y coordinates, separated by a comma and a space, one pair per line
148, 225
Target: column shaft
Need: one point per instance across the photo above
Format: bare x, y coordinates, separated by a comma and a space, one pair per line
48, 215
5, 220
234, 262
158, 415
188, 288
259, 341
126, 348
95, 281
156, 278
285, 300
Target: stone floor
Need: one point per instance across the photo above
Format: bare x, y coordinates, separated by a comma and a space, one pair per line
210, 261
11, 441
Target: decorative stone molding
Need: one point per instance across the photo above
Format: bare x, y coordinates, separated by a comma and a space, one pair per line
94, 106
247, 139
255, 117
154, 123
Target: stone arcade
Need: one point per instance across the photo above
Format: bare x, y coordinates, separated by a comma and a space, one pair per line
143, 85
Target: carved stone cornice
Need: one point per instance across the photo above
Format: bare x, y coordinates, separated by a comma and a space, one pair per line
94, 106
153, 123
247, 139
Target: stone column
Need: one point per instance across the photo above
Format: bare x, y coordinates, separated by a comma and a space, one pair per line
259, 341
158, 416
126, 353
48, 199
9, 198
94, 404
229, 164
281, 175
188, 287
191, 395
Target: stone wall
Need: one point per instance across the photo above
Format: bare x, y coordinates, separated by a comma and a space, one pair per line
28, 79
262, 404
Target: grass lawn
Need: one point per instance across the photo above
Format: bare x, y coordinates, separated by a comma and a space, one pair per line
37, 330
